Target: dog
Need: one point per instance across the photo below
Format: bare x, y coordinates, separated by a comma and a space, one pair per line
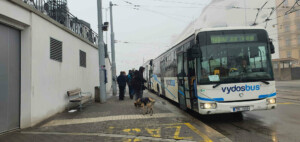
146, 103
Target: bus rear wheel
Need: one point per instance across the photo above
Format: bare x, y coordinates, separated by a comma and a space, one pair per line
158, 92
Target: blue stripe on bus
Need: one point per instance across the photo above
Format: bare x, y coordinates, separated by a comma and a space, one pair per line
267, 96
222, 99
156, 79
181, 92
213, 99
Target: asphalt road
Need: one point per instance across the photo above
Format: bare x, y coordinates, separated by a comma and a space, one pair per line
281, 124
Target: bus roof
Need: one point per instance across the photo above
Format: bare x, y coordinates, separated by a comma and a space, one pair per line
214, 29
228, 28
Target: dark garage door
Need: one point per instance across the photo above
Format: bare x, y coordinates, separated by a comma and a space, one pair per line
9, 78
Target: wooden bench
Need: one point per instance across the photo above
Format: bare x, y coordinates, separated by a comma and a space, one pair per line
76, 96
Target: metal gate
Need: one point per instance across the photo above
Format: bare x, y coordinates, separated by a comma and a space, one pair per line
9, 78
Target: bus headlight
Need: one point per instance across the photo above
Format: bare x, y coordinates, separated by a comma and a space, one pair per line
271, 100
208, 105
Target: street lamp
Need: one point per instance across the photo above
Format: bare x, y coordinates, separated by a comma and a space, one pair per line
101, 54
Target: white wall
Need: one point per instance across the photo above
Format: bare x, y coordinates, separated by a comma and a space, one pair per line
45, 82
51, 79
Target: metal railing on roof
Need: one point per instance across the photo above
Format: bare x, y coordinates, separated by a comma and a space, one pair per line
58, 11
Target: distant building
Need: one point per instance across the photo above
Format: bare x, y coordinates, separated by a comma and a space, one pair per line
289, 31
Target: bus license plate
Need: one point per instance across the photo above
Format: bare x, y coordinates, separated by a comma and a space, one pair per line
243, 108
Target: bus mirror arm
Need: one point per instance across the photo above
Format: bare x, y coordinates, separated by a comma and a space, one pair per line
272, 48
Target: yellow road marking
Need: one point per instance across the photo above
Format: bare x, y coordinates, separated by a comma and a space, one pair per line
177, 133
127, 140
205, 137
174, 124
156, 134
110, 129
137, 140
286, 103
132, 140
130, 131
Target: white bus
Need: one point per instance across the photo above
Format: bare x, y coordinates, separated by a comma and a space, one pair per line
217, 70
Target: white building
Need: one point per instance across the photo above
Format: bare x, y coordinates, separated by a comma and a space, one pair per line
39, 63
225, 13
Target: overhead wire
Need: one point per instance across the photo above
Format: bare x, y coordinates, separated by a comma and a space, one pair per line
193, 3
139, 7
286, 13
258, 12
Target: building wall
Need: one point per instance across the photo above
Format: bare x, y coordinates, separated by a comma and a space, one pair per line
45, 82
51, 79
288, 31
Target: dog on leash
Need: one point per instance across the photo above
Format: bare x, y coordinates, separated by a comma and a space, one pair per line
146, 103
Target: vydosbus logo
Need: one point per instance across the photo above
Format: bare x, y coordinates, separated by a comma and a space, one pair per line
240, 88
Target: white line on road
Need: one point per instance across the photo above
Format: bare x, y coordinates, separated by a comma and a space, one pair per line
105, 135
108, 118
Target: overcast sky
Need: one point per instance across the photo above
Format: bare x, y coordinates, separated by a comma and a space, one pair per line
148, 30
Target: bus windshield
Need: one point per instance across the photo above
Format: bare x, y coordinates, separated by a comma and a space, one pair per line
235, 62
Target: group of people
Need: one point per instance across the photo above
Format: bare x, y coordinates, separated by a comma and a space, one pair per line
135, 82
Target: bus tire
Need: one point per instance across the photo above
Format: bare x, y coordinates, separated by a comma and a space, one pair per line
158, 91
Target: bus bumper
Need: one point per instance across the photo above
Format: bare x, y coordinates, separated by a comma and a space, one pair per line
232, 107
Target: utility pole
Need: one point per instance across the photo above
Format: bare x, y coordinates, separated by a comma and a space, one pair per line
101, 54
245, 6
113, 57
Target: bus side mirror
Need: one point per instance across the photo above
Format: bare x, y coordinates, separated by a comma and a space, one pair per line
151, 62
272, 48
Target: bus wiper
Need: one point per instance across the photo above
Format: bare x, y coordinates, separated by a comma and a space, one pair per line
265, 82
224, 81
218, 84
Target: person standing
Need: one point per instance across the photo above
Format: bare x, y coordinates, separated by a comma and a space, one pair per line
129, 79
138, 83
122, 84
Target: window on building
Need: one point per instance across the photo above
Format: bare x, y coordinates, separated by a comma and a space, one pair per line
82, 58
298, 13
275, 66
287, 28
288, 54
287, 42
55, 50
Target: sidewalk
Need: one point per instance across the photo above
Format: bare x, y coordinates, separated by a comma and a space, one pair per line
288, 89
119, 121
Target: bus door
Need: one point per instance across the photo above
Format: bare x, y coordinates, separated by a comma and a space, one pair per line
193, 83
193, 54
183, 91
162, 75
187, 89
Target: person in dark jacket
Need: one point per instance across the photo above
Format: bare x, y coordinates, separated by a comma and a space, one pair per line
122, 84
138, 83
129, 80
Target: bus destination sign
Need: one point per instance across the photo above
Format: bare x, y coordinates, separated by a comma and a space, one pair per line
231, 38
